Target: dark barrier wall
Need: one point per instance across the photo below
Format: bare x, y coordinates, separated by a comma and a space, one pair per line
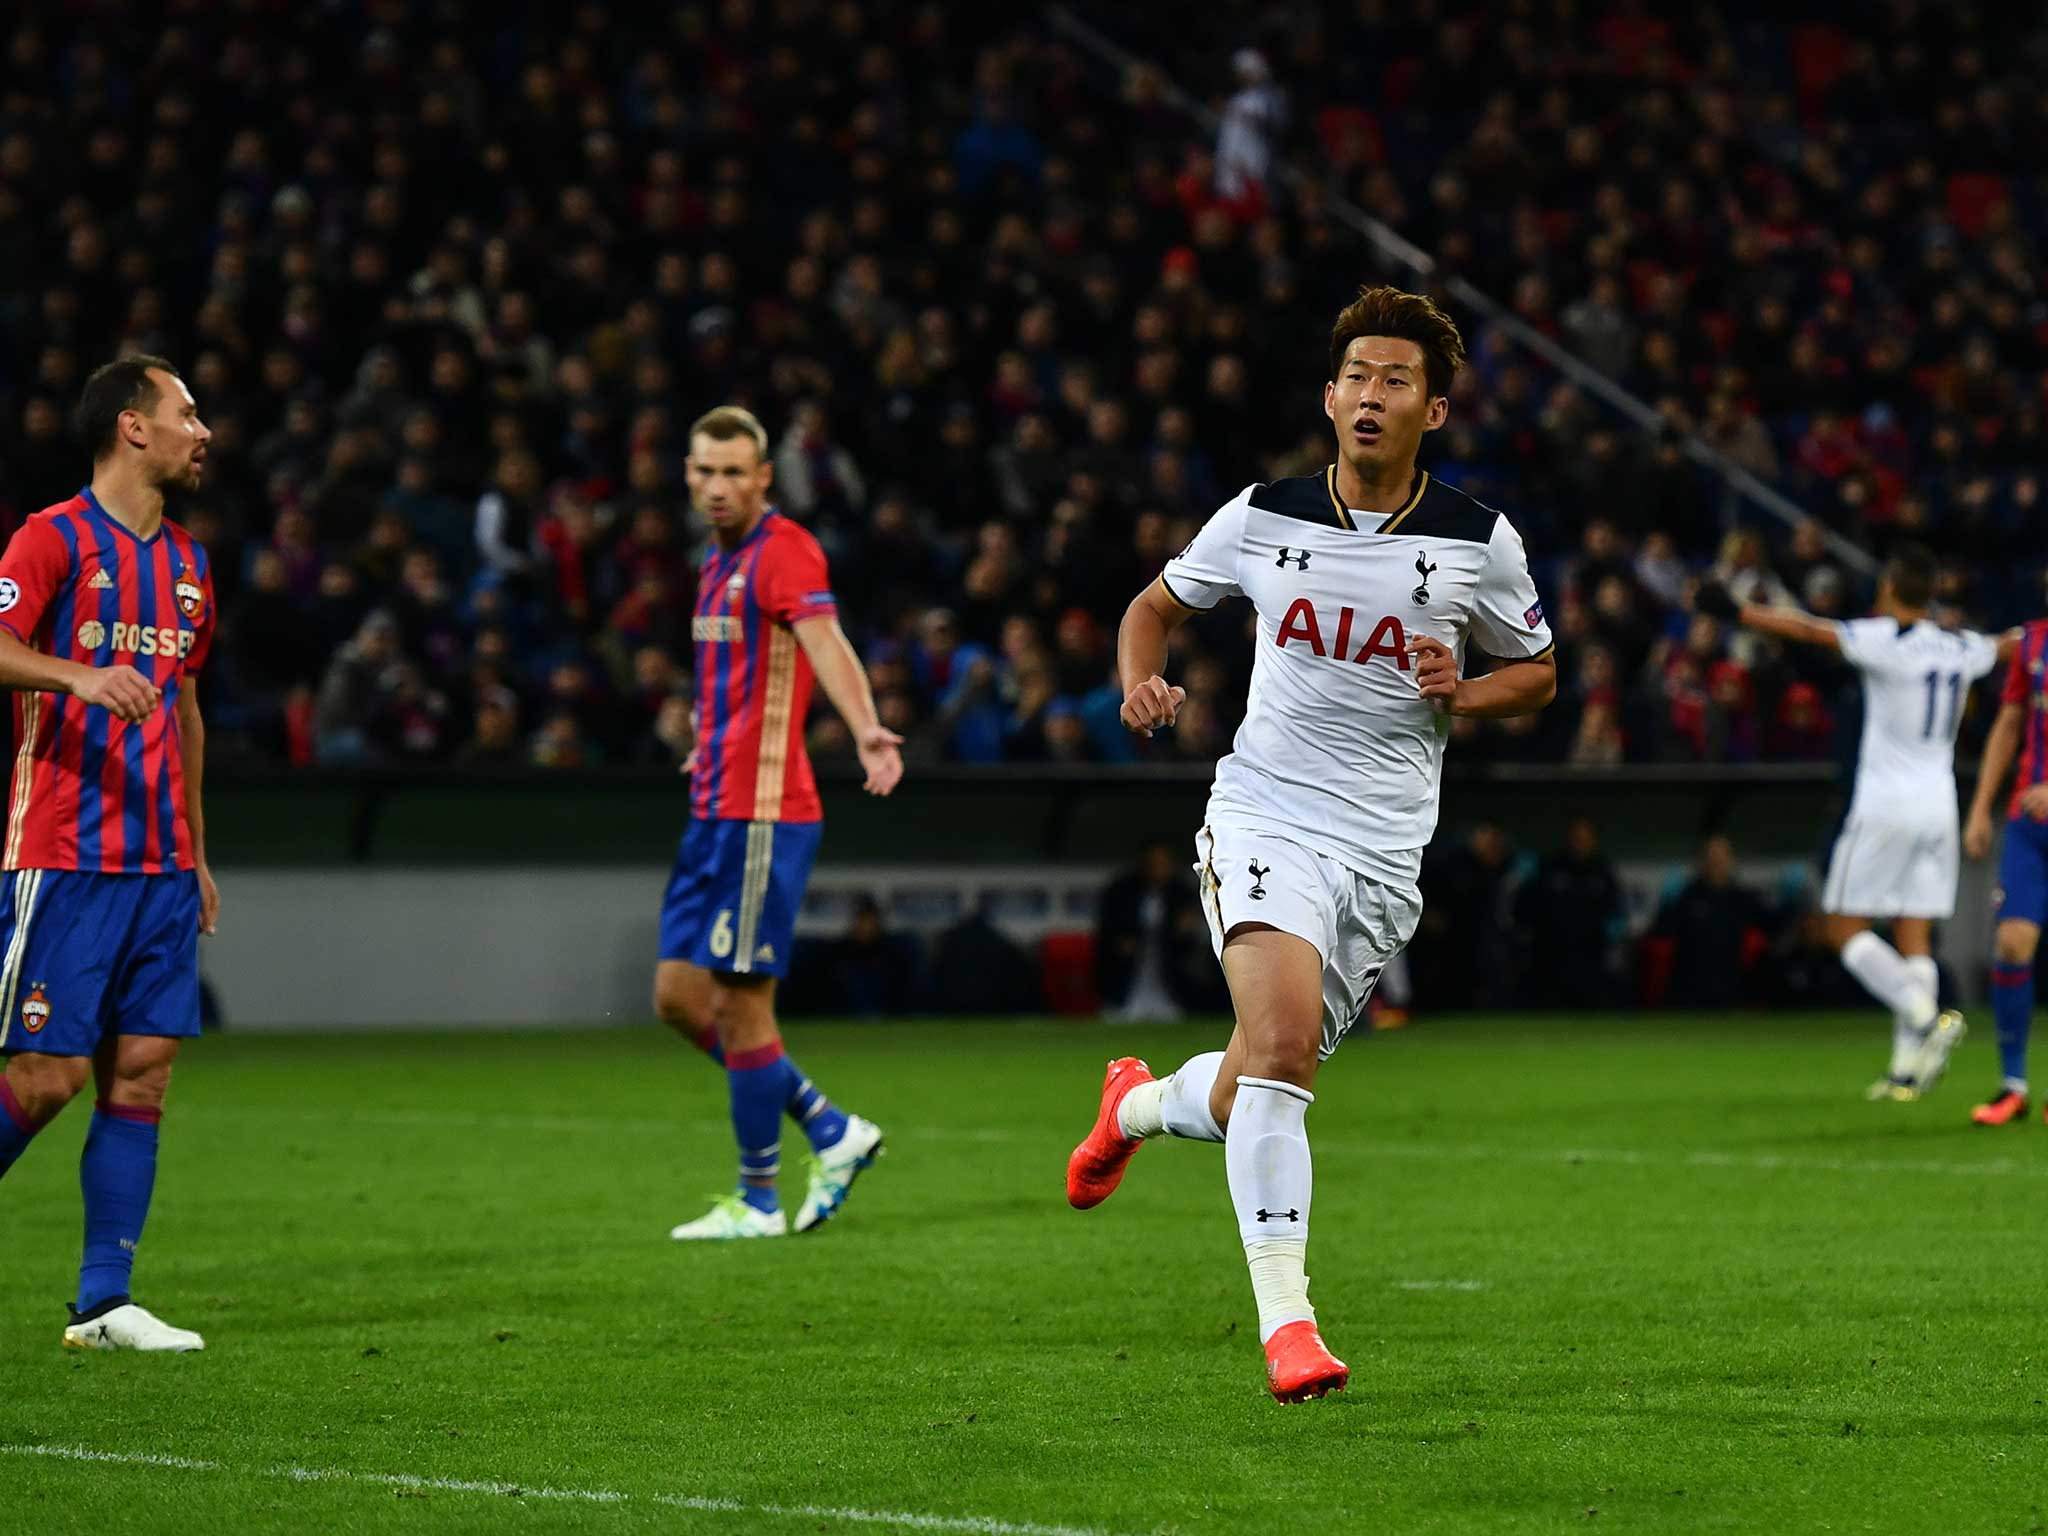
996, 815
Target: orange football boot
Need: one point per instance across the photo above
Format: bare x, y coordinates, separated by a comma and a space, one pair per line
1097, 1166
1299, 1365
2008, 1108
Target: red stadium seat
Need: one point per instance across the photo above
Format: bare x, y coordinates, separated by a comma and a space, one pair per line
1066, 964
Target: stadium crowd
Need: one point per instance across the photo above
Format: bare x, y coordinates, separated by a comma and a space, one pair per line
450, 283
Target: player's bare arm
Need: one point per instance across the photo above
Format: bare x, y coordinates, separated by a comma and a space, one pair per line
2000, 748
192, 752
845, 682
1511, 688
121, 690
1149, 701
1792, 624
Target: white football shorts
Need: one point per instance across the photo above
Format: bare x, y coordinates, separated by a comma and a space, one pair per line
1357, 924
1886, 868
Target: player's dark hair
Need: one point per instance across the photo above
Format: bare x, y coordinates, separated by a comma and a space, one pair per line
1911, 571
1389, 311
122, 385
728, 422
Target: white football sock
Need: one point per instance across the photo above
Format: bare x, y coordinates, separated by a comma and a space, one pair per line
1926, 975
1271, 1178
1177, 1105
1906, 1038
1279, 1283
1884, 975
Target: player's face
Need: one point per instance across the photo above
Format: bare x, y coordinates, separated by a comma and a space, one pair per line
728, 481
177, 437
1380, 404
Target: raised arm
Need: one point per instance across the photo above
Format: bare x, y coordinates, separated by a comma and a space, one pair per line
1149, 702
1801, 628
845, 682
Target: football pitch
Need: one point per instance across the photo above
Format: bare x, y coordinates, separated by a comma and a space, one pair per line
1647, 1273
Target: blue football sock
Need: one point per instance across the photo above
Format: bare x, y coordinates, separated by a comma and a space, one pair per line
16, 1130
2012, 1000
757, 1080
117, 1173
822, 1120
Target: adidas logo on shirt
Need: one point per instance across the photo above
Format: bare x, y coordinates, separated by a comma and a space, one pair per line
101, 581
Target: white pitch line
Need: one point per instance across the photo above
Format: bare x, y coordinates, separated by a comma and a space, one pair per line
1761, 1162
977, 1525
968, 1525
1439, 1285
119, 1458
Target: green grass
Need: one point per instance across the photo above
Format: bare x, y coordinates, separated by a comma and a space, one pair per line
1644, 1275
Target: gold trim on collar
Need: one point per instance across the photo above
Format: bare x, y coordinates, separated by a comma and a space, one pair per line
1421, 485
1337, 502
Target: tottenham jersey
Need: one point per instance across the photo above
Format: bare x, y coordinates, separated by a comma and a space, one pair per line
1915, 677
1338, 752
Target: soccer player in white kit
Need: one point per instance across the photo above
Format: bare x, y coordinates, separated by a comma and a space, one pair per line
1370, 581
1900, 847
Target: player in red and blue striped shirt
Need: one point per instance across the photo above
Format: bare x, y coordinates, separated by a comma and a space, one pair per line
765, 627
2021, 730
106, 615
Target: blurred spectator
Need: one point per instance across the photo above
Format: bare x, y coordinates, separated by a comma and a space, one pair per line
1714, 925
508, 516
1570, 915
870, 971
815, 478
976, 970
494, 741
1463, 953
1252, 120
352, 692
1148, 924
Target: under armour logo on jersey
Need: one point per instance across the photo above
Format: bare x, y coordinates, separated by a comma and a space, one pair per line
1425, 570
1288, 1215
1258, 890
1287, 556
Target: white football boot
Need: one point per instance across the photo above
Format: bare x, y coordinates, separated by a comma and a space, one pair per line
131, 1327
1941, 1040
834, 1170
731, 1218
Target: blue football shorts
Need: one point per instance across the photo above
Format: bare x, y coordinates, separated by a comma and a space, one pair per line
2023, 871
84, 955
732, 899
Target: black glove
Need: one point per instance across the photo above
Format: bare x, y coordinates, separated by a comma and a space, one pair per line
1716, 601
